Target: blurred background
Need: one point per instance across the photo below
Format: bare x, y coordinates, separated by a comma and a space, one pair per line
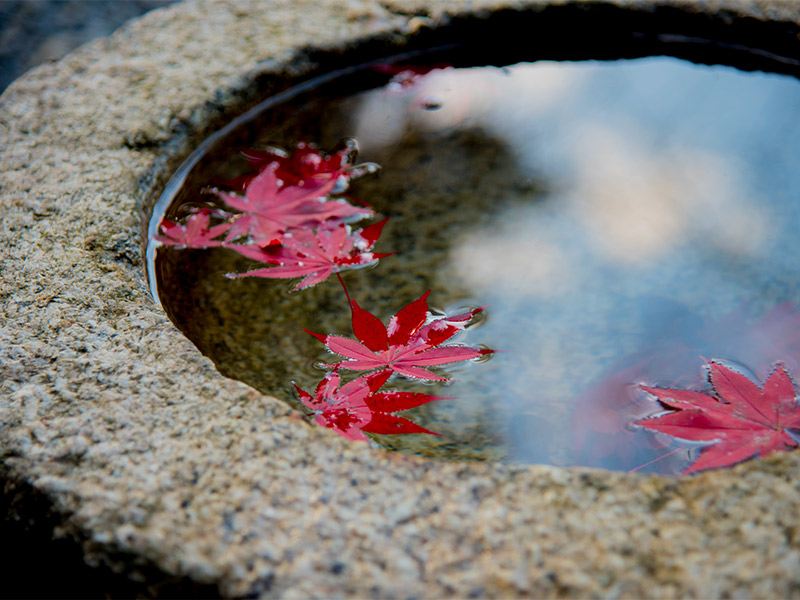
35, 31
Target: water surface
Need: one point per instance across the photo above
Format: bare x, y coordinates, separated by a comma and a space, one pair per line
623, 221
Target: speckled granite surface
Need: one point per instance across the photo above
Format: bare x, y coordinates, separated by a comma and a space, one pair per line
150, 458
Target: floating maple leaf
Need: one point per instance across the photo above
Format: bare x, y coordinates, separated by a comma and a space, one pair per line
341, 409
602, 413
358, 406
269, 210
741, 421
315, 255
195, 233
406, 346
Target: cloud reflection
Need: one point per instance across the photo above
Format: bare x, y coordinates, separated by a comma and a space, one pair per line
640, 201
633, 196
512, 259
665, 207
492, 97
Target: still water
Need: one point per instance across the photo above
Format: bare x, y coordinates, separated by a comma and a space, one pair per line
622, 222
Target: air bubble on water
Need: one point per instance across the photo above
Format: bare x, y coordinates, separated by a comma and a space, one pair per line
483, 357
365, 267
290, 290
341, 185
477, 319
436, 311
349, 146
367, 168
317, 366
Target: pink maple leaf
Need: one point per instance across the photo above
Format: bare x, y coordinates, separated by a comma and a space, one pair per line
741, 421
358, 406
269, 210
315, 255
195, 233
410, 342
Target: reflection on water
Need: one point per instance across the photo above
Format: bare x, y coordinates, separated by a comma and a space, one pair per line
662, 216
622, 221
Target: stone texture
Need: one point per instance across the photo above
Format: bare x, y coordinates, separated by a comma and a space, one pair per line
150, 457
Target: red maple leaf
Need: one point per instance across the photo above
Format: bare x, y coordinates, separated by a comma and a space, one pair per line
741, 421
269, 210
315, 255
195, 233
358, 406
408, 344
306, 162
603, 412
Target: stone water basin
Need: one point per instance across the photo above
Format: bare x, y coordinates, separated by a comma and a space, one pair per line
154, 463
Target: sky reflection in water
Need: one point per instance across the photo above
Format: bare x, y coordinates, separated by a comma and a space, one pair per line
668, 232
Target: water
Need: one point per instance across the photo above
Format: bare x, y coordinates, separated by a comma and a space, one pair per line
622, 221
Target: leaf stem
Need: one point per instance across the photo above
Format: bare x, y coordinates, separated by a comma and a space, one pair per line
344, 287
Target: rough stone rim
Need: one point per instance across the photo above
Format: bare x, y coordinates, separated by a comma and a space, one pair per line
645, 28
